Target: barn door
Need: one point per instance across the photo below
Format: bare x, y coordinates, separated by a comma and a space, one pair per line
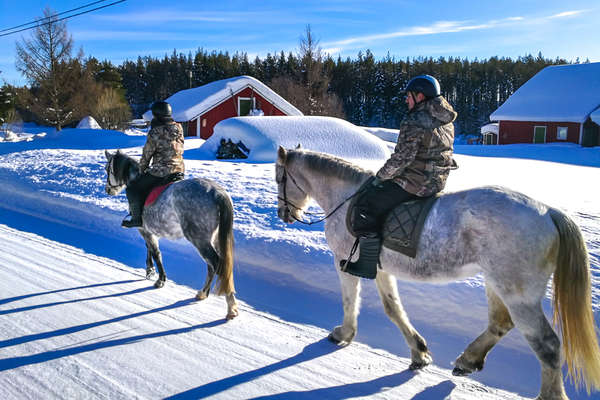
539, 134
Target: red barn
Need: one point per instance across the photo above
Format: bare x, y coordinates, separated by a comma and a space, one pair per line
556, 105
201, 108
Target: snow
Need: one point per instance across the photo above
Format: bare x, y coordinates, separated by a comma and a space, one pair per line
561, 93
88, 123
79, 320
389, 135
263, 136
189, 104
490, 128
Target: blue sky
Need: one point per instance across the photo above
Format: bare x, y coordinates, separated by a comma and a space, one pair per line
402, 28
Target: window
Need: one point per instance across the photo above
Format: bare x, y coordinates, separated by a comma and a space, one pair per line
561, 133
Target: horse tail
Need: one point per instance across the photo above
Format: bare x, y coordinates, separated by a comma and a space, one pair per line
572, 304
225, 267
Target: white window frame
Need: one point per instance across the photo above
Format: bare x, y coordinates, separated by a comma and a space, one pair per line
245, 98
558, 128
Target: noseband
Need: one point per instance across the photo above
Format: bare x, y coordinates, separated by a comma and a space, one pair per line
288, 203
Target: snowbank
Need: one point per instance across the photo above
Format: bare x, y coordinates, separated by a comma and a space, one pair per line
88, 123
389, 135
263, 135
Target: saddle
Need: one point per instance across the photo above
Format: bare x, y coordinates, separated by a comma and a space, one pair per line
157, 190
402, 228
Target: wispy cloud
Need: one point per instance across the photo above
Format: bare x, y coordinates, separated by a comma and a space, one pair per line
439, 27
566, 14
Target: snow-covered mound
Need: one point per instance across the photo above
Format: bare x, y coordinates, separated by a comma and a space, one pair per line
389, 135
88, 123
263, 135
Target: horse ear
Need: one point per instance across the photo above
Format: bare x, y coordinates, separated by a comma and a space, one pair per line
281, 155
299, 146
107, 154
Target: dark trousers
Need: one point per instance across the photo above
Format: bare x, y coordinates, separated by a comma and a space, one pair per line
374, 204
138, 190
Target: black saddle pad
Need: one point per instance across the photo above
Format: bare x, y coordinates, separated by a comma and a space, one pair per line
403, 225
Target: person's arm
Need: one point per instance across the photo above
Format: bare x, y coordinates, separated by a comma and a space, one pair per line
147, 152
409, 140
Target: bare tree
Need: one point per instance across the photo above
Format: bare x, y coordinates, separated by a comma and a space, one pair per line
45, 60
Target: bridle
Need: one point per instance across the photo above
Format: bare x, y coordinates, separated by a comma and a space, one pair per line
110, 172
288, 203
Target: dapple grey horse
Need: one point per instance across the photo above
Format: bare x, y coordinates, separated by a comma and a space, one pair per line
515, 242
198, 209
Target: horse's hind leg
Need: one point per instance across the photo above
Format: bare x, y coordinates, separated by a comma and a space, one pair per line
350, 290
212, 260
531, 321
500, 323
388, 291
154, 252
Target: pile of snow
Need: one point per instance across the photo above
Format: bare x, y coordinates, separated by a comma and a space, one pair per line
189, 104
490, 128
10, 136
263, 136
389, 135
88, 123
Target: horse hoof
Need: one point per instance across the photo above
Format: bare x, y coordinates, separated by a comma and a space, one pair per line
201, 296
158, 284
231, 315
460, 372
414, 366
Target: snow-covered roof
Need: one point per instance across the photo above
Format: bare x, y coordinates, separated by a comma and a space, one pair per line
561, 93
490, 128
189, 104
263, 136
595, 116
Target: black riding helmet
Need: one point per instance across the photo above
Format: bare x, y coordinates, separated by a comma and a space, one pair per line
161, 109
425, 84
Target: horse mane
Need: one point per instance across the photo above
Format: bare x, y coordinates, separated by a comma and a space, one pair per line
330, 166
123, 165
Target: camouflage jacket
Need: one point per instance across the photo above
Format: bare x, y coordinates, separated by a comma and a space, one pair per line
422, 158
164, 146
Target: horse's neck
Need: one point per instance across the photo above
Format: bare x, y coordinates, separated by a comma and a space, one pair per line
131, 171
330, 191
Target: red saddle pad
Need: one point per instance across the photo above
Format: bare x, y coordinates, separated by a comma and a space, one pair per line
155, 193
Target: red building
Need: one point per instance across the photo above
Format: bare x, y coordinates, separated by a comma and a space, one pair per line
556, 105
200, 109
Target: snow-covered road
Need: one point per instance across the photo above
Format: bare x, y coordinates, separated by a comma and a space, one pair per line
76, 325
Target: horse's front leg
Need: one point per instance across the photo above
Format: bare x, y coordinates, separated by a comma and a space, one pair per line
150, 271
350, 297
388, 292
154, 253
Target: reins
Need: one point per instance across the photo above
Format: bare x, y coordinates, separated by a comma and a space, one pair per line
289, 203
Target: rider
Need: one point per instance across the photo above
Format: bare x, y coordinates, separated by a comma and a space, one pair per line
164, 146
418, 168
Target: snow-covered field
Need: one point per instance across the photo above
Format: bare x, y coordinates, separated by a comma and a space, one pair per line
80, 322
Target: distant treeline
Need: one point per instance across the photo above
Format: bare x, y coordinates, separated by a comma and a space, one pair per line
366, 91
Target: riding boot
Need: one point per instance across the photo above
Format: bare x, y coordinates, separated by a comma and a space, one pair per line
368, 258
135, 221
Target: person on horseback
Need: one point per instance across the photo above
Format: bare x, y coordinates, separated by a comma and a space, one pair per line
418, 167
164, 147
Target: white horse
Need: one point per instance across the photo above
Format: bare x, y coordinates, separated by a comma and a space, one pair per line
515, 242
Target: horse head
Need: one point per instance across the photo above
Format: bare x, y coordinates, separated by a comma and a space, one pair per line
115, 183
291, 198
